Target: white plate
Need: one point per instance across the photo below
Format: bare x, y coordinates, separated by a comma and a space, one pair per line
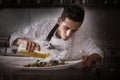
66, 65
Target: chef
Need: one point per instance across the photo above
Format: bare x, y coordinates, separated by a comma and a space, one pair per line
65, 35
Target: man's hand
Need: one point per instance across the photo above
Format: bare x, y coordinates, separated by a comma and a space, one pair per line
30, 45
89, 61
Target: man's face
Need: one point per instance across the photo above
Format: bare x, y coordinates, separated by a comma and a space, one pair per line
67, 28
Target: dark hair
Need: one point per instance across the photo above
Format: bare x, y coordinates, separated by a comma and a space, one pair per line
73, 12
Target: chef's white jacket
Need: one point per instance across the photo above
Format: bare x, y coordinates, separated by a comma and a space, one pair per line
79, 44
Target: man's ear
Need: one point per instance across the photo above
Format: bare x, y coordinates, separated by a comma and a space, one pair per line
59, 21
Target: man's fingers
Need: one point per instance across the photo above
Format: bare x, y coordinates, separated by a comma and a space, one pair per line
32, 47
90, 62
86, 61
38, 47
84, 58
27, 46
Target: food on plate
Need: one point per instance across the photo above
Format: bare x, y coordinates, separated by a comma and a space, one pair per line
38, 63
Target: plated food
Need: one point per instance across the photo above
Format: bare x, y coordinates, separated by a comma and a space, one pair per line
47, 60
39, 63
52, 65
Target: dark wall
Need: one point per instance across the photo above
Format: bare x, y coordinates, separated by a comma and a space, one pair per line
105, 25
14, 19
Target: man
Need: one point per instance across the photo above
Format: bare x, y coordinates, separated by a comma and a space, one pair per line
59, 35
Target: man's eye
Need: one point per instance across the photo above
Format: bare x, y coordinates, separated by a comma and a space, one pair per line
66, 27
74, 30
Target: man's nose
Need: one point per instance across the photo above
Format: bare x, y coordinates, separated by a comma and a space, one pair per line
69, 33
